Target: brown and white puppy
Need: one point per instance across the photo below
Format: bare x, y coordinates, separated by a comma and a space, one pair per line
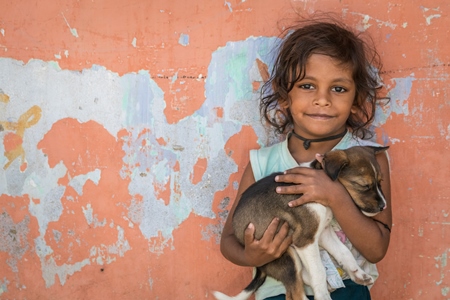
357, 170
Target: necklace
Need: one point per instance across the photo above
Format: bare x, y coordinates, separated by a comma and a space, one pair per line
307, 142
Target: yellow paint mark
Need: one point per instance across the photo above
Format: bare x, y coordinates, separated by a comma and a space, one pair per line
13, 141
3, 97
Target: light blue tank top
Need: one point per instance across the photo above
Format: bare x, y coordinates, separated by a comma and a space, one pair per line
277, 158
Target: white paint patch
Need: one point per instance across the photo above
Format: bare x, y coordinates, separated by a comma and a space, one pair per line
394, 141
429, 18
134, 42
79, 181
441, 264
427, 10
365, 22
2, 31
447, 137
91, 219
367, 18
72, 30
4, 285
106, 254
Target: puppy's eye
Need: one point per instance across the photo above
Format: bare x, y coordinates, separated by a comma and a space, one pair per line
364, 188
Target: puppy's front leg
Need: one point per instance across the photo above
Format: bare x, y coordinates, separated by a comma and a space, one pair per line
310, 257
330, 242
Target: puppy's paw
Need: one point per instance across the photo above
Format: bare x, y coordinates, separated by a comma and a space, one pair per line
360, 277
220, 296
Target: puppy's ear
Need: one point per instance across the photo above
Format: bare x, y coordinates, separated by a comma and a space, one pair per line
334, 162
315, 164
377, 150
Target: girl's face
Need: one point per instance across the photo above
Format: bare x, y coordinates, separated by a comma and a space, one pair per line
322, 101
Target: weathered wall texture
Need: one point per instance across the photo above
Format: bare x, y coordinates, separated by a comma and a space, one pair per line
125, 126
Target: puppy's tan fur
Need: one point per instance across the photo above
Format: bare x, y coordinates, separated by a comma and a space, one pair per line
357, 170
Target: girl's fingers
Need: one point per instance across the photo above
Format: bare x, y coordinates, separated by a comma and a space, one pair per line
296, 175
271, 230
281, 239
297, 202
291, 189
249, 234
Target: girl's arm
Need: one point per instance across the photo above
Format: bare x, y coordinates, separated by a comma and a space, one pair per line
368, 236
256, 252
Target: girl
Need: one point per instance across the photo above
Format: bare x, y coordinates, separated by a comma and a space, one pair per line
322, 94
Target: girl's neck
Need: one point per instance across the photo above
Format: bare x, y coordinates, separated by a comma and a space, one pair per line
300, 154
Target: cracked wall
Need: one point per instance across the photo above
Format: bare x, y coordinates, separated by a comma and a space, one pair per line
125, 128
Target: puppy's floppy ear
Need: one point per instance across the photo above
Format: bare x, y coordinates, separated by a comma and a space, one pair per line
377, 150
315, 164
334, 162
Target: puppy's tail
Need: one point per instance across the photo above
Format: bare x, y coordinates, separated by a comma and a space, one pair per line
257, 281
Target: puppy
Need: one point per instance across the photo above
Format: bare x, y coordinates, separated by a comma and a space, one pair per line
357, 170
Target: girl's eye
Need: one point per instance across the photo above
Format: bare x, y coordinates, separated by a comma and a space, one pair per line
339, 89
306, 86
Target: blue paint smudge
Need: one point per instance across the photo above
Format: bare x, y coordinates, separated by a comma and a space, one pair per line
183, 40
398, 103
229, 6
139, 93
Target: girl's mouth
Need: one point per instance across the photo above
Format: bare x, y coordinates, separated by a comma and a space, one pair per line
319, 116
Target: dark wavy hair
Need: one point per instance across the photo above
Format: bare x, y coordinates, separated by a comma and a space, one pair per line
333, 39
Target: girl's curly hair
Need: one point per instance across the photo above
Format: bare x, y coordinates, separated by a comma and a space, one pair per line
333, 39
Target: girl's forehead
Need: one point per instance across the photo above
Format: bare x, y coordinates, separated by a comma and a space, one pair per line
317, 58
327, 65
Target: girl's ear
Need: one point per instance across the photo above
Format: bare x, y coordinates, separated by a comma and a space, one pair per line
354, 109
283, 103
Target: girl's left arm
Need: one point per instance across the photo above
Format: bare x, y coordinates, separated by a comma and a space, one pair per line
368, 235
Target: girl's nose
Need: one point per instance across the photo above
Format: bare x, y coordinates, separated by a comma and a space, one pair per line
322, 98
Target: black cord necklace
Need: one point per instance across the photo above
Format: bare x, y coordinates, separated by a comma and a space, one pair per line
307, 142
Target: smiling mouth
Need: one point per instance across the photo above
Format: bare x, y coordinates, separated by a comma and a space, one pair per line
320, 116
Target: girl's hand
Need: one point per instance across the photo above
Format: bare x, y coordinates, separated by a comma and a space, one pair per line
270, 247
314, 185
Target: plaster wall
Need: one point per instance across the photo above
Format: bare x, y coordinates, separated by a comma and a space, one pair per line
126, 125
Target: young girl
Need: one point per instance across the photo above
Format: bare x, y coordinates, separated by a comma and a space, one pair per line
322, 96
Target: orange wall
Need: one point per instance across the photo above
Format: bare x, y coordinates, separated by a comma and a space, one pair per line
125, 126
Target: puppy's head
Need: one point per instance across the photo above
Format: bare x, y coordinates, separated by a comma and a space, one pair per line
358, 170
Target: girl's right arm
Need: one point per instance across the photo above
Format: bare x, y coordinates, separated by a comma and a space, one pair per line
255, 252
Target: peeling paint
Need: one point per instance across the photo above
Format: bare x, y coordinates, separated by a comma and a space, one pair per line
13, 239
79, 181
441, 264
4, 285
367, 18
73, 31
183, 40
398, 102
144, 130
